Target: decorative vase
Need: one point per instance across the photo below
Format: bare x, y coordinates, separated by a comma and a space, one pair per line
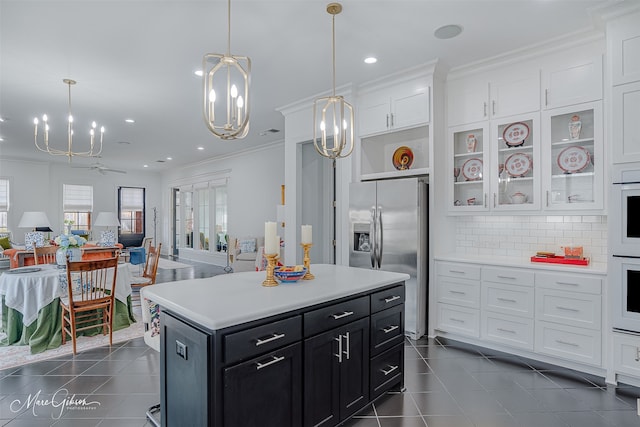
75, 254
575, 126
471, 143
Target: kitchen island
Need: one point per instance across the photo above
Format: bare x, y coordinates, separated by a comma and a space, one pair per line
235, 353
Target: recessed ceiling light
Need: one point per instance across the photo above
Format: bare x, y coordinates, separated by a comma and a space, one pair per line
169, 158
1, 119
129, 120
448, 31
145, 166
1, 139
200, 148
198, 73
370, 60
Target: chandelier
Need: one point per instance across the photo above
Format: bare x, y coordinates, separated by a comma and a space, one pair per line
227, 75
94, 149
332, 115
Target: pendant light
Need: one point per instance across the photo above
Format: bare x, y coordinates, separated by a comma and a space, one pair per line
226, 81
94, 148
332, 115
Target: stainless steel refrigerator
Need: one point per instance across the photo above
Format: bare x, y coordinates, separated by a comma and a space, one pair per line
388, 230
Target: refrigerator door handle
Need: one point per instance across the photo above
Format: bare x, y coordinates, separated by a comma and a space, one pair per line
379, 243
372, 237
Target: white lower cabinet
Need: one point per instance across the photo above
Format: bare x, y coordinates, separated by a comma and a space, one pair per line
547, 313
626, 354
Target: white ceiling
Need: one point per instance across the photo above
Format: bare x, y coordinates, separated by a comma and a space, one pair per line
136, 59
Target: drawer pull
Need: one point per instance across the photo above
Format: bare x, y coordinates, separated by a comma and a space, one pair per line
506, 330
275, 359
390, 329
506, 300
567, 343
567, 283
453, 319
574, 310
457, 292
637, 354
506, 277
393, 298
274, 337
457, 271
340, 316
390, 370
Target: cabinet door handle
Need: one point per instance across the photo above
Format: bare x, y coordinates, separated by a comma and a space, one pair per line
340, 316
495, 200
386, 372
387, 120
567, 343
348, 342
493, 107
559, 307
392, 120
390, 329
547, 198
274, 359
484, 111
546, 97
274, 337
393, 298
637, 354
485, 200
507, 300
339, 354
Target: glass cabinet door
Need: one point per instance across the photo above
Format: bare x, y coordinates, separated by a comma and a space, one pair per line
469, 185
573, 148
515, 174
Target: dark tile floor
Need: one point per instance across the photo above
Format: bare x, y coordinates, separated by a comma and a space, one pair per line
448, 384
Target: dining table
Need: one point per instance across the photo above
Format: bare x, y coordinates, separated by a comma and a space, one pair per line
30, 305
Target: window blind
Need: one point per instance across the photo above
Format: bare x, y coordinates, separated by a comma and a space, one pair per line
4, 194
77, 198
131, 199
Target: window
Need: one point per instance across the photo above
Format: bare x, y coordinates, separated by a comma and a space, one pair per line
4, 204
77, 205
131, 208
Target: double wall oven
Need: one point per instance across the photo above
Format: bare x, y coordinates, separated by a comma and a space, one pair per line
624, 222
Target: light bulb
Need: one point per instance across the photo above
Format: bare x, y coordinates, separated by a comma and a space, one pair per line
35, 121
344, 124
44, 118
322, 126
92, 132
234, 91
212, 96
240, 102
70, 118
46, 127
93, 125
102, 129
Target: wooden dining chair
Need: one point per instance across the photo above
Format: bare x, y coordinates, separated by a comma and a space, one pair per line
148, 275
45, 254
90, 300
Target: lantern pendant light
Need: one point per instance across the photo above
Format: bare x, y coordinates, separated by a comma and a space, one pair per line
226, 81
332, 115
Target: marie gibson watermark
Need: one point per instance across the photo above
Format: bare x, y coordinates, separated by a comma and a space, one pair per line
59, 402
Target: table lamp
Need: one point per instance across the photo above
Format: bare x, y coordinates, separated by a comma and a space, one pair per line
108, 219
34, 220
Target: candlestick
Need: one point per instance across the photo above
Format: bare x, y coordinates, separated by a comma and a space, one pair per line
270, 246
306, 235
306, 260
271, 263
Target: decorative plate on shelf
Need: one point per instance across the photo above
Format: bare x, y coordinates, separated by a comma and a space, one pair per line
574, 159
518, 164
515, 134
472, 169
402, 158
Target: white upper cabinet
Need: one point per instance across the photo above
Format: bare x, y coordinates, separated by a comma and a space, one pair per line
570, 84
626, 123
397, 107
477, 98
623, 37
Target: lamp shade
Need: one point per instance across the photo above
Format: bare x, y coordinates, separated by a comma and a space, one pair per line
44, 229
107, 219
33, 220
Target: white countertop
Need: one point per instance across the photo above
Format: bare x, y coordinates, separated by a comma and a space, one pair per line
592, 268
231, 299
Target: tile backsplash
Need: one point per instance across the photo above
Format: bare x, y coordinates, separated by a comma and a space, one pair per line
523, 236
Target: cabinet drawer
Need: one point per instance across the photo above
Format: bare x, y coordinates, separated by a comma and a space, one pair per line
458, 270
569, 282
568, 342
458, 292
581, 310
388, 298
508, 275
387, 329
386, 370
510, 330
335, 315
508, 299
261, 339
626, 354
460, 320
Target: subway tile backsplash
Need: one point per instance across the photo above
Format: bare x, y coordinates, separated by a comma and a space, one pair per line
523, 236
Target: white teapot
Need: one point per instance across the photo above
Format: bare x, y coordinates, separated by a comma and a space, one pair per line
518, 198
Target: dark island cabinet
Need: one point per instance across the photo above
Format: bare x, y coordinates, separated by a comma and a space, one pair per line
314, 366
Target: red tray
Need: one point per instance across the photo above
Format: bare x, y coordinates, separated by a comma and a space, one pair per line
560, 260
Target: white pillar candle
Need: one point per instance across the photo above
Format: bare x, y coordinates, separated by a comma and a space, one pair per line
306, 235
270, 237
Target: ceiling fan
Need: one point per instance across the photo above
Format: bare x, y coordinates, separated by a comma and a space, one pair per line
100, 168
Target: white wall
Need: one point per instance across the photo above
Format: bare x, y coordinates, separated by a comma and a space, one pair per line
37, 186
255, 178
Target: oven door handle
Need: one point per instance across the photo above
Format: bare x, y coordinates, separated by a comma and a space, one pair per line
626, 256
